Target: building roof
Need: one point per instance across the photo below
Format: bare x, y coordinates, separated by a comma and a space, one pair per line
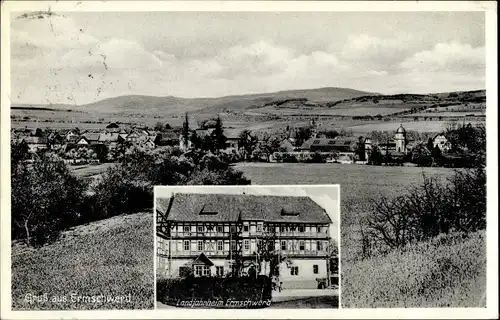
226, 208
92, 136
111, 137
202, 259
401, 129
344, 142
35, 140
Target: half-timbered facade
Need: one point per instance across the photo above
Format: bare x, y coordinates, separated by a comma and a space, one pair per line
208, 233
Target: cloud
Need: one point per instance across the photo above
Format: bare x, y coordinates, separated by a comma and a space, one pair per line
64, 59
375, 52
377, 73
447, 57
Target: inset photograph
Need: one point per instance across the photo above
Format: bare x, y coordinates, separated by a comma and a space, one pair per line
247, 246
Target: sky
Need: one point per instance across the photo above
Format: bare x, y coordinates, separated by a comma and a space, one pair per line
82, 57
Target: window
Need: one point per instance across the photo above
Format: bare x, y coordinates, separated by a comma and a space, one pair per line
219, 271
318, 229
186, 245
220, 229
246, 244
220, 245
282, 229
319, 245
200, 245
294, 271
185, 229
293, 228
198, 271
259, 228
301, 228
233, 245
200, 228
302, 245
283, 245
233, 229
245, 228
315, 269
206, 271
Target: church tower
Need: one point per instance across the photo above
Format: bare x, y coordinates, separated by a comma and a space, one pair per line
400, 139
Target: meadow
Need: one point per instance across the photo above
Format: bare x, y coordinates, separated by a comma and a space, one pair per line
447, 271
111, 257
420, 126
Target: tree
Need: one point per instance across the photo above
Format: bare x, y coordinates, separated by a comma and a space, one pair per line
421, 155
38, 132
159, 126
333, 256
375, 156
360, 149
428, 210
269, 145
18, 152
330, 134
185, 131
219, 139
430, 144
101, 152
196, 141
247, 142
268, 256
301, 135
46, 199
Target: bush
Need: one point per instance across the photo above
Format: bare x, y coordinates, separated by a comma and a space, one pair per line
171, 291
46, 198
289, 158
447, 271
427, 211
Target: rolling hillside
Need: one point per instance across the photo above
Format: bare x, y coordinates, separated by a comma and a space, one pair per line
175, 105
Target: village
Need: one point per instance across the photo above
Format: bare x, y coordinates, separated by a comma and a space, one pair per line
298, 144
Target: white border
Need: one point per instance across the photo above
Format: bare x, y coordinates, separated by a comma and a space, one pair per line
489, 7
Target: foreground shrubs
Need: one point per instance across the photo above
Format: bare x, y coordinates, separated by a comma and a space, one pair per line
426, 211
446, 271
222, 290
48, 198
45, 198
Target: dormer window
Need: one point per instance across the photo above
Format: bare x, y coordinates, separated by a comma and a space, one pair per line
289, 213
207, 212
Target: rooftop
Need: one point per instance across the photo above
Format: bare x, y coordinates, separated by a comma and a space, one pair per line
226, 208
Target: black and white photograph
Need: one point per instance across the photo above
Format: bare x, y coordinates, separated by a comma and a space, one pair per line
247, 247
320, 156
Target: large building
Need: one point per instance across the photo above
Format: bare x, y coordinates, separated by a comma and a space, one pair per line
208, 234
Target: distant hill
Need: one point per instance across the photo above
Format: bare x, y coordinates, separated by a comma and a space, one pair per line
321, 97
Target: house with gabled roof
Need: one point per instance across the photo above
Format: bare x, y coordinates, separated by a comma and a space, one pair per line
213, 233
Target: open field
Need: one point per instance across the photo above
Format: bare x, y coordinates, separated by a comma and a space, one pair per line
459, 263
420, 126
334, 111
111, 257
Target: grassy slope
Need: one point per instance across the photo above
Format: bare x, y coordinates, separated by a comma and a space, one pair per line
111, 257
445, 272
364, 282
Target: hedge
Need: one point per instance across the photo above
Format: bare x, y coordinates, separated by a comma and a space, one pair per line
172, 291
